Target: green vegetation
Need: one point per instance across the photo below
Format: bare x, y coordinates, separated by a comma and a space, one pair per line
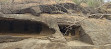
77, 1
91, 3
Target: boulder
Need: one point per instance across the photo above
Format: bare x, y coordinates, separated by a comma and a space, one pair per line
97, 30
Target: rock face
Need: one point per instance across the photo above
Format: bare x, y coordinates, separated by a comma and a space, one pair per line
39, 9
10, 39
93, 29
49, 21
94, 33
46, 44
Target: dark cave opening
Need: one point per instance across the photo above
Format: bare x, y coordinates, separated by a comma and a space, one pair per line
70, 33
65, 30
75, 33
17, 27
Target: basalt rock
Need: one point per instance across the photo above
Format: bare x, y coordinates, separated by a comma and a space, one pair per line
39, 9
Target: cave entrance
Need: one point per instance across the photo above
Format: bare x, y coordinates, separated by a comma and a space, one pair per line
75, 34
70, 32
24, 28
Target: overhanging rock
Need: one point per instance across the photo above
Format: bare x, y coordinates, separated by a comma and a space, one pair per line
49, 21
